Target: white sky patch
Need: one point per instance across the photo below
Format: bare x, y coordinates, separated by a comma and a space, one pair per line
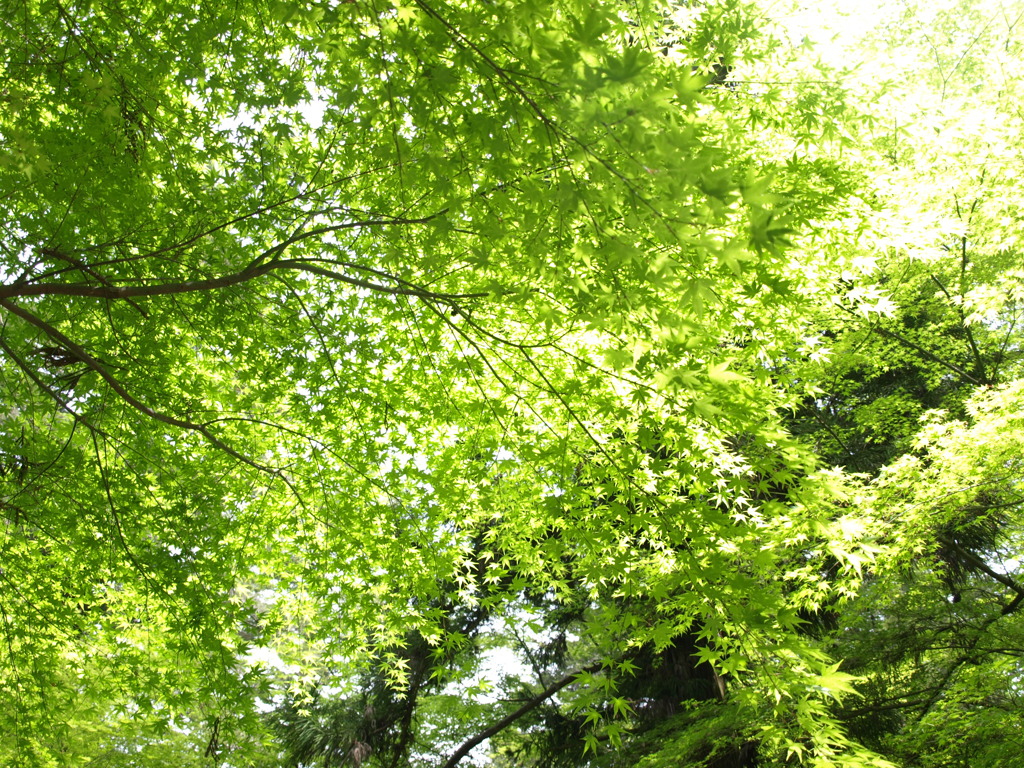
265, 707
495, 664
313, 112
504, 454
832, 26
269, 658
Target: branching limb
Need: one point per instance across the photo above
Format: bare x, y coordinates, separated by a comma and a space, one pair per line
505, 722
251, 272
918, 348
98, 367
984, 567
979, 364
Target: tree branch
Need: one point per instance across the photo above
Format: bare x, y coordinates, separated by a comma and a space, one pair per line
984, 567
98, 367
907, 342
898, 704
263, 264
114, 292
978, 362
510, 718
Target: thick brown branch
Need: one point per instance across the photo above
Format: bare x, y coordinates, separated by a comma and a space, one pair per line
263, 264
114, 292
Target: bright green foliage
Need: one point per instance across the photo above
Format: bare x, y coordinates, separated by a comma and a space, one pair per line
345, 346
319, 317
947, 611
915, 380
930, 306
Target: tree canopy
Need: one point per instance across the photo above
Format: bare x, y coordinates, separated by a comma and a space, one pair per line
536, 383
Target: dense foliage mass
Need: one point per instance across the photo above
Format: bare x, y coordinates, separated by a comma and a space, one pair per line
546, 383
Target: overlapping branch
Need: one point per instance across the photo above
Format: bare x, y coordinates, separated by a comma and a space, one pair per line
267, 262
